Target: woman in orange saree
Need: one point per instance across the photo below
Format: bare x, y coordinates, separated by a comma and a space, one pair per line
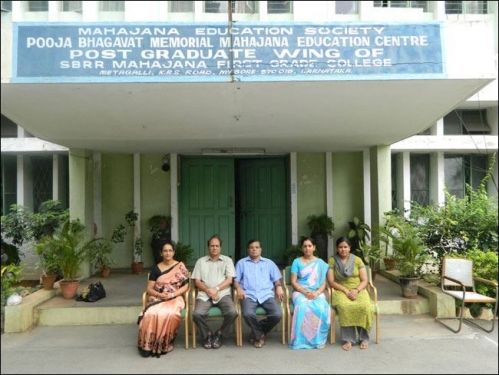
160, 320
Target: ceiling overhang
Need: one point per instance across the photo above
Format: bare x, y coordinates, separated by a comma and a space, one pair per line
277, 116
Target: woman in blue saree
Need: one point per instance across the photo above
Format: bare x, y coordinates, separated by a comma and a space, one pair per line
312, 313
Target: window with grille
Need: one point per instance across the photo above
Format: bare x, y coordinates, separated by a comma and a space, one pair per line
8, 182
420, 178
6, 6
42, 179
112, 6
464, 169
71, 6
454, 175
276, 7
181, 6
466, 7
236, 6
38, 6
469, 121
402, 4
346, 7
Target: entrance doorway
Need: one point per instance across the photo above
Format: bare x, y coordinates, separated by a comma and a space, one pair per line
237, 198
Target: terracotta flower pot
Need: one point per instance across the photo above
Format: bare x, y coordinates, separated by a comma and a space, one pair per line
137, 267
69, 288
48, 281
105, 272
389, 263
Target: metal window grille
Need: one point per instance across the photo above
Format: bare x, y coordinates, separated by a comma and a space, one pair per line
275, 7
8, 182
420, 178
112, 6
454, 175
71, 6
181, 6
247, 7
215, 6
6, 6
466, 122
466, 7
402, 4
38, 6
346, 7
42, 179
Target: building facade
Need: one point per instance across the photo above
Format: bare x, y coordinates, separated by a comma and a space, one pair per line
243, 118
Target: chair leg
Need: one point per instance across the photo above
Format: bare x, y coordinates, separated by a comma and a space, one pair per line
283, 329
377, 328
441, 321
193, 324
186, 330
333, 326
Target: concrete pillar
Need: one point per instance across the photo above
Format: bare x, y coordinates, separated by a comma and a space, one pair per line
97, 185
55, 177
404, 182
381, 200
367, 187
136, 199
329, 200
24, 191
294, 198
437, 178
174, 195
81, 197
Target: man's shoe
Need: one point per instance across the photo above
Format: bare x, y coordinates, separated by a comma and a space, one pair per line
208, 342
217, 341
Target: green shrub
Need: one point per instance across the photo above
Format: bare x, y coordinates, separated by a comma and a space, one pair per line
11, 275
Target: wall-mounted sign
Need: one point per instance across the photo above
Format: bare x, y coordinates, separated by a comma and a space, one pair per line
94, 52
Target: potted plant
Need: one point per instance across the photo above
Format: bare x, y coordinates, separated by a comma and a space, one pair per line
160, 227
99, 254
409, 252
48, 264
183, 252
292, 252
138, 248
371, 255
358, 234
321, 226
70, 249
131, 218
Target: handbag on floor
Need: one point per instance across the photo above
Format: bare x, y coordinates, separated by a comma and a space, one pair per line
93, 292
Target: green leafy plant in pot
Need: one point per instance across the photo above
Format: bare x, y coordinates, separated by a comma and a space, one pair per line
160, 228
99, 254
410, 253
321, 226
358, 234
70, 249
183, 253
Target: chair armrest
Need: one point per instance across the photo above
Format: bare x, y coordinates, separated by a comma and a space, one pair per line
485, 281
186, 295
453, 280
373, 292
235, 297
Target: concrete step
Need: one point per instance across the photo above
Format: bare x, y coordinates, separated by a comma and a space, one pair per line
123, 302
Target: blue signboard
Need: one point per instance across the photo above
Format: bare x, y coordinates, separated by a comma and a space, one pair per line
94, 52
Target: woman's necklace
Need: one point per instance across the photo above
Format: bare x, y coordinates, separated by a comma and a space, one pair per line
308, 260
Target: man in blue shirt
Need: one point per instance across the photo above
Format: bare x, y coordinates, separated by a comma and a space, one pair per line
258, 282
